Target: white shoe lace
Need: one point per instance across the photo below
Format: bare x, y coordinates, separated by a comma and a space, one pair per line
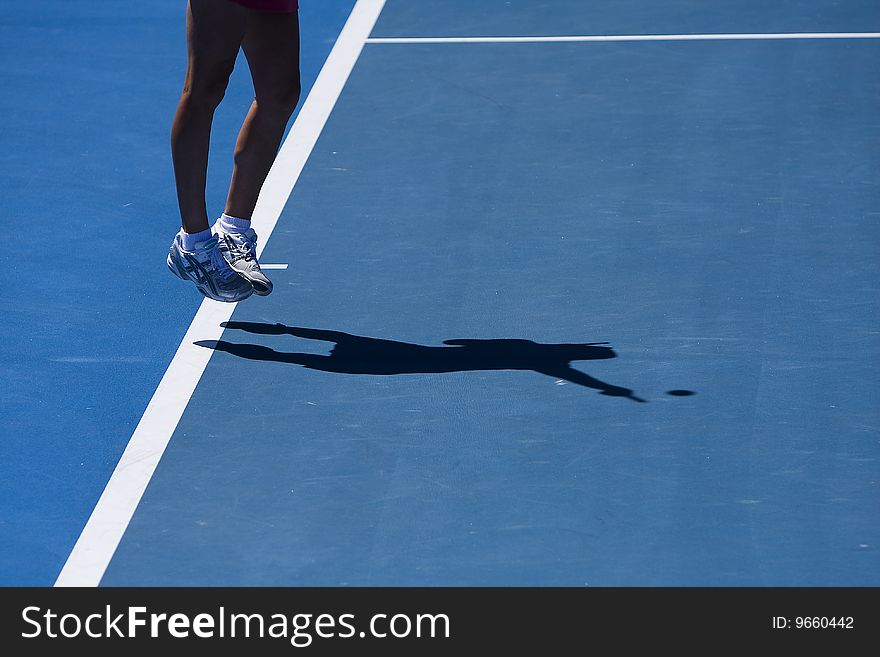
243, 246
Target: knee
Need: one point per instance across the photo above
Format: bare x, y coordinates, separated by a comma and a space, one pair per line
207, 88
282, 102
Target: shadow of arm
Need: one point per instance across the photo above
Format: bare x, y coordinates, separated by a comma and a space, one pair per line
576, 376
262, 328
259, 352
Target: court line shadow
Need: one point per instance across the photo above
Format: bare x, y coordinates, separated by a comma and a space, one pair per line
354, 354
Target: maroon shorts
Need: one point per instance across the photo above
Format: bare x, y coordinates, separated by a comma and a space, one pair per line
269, 5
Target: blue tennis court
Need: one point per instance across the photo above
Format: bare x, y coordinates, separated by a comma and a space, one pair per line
566, 294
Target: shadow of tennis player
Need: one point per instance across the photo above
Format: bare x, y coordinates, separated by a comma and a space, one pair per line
354, 354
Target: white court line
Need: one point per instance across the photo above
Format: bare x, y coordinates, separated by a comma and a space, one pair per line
104, 530
271, 266
629, 37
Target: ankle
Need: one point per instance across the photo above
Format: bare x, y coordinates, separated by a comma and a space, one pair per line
189, 240
232, 224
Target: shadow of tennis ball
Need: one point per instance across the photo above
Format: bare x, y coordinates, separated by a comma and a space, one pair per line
681, 393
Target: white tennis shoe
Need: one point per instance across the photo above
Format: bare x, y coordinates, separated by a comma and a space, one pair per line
207, 268
240, 251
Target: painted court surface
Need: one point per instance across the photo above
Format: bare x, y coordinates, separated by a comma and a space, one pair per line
549, 308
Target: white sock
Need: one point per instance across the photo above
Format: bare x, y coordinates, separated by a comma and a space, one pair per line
189, 240
234, 224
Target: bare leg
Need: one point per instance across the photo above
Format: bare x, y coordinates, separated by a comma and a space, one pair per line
271, 45
214, 32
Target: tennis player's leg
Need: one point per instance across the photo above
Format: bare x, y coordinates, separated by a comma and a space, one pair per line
214, 33
271, 46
